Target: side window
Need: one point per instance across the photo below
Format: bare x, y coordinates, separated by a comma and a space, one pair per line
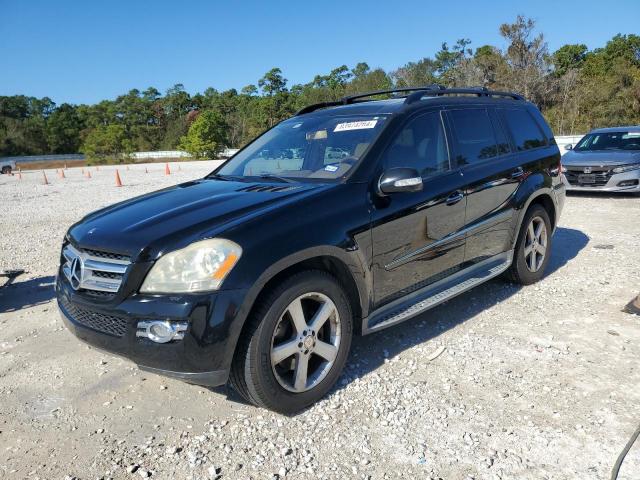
502, 140
524, 130
474, 139
421, 145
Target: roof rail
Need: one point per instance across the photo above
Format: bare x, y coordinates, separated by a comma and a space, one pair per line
352, 98
418, 93
479, 91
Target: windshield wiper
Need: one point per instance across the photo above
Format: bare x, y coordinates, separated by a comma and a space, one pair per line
226, 178
269, 176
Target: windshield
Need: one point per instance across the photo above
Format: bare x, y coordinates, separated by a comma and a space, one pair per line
314, 148
610, 141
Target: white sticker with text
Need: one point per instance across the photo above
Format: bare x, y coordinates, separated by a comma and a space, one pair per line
343, 127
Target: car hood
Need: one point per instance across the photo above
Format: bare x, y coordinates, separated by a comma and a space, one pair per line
601, 158
146, 226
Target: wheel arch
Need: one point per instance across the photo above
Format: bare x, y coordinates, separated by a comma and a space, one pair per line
542, 197
344, 266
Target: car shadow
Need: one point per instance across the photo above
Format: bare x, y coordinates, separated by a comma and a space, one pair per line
15, 296
370, 352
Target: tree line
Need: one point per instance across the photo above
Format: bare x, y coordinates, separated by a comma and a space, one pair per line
576, 89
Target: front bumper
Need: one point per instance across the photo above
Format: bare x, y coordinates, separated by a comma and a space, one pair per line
612, 185
203, 356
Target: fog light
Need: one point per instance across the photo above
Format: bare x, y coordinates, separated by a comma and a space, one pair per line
161, 331
628, 183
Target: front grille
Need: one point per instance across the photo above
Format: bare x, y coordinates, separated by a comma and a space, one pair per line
598, 176
110, 324
94, 272
100, 274
109, 255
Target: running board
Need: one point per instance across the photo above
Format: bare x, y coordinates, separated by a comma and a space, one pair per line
436, 293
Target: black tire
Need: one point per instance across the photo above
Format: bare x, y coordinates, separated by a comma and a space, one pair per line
252, 374
520, 271
6, 170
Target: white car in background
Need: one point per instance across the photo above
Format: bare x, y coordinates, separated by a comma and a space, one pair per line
606, 159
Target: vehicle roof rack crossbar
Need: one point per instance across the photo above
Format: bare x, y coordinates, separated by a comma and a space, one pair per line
417, 95
479, 91
352, 98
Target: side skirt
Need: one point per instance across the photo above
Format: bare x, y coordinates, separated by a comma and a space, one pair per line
428, 297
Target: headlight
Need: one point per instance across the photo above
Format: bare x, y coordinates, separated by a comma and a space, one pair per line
626, 168
199, 267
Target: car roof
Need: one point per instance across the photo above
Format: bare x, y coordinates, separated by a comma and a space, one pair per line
398, 105
630, 128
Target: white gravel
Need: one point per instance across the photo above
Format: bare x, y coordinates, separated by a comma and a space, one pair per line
500, 383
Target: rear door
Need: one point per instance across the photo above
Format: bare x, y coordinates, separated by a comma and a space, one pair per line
417, 236
491, 173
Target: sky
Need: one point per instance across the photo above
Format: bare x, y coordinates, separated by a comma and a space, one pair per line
86, 51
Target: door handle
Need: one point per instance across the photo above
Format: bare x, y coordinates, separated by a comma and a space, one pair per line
454, 198
517, 173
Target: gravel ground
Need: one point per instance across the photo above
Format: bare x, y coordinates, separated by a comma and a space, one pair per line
538, 382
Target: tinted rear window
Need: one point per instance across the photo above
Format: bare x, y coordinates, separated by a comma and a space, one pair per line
524, 129
474, 139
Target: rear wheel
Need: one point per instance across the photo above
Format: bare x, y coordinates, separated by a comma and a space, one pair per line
533, 247
295, 345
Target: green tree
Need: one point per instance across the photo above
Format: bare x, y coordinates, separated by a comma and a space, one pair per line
273, 82
109, 142
569, 57
63, 130
207, 135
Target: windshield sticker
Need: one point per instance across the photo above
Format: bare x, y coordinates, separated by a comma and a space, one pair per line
343, 127
331, 168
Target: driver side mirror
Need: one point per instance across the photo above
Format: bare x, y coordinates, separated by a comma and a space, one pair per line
397, 180
568, 146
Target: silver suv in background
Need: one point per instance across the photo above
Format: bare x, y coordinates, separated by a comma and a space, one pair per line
606, 159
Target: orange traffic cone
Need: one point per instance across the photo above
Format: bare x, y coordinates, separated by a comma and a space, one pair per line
44, 178
166, 169
62, 174
118, 181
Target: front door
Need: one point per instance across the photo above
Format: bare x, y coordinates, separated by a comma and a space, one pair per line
417, 236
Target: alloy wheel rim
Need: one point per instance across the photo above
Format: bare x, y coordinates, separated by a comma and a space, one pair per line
535, 246
305, 342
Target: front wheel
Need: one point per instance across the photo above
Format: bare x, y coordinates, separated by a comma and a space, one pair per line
533, 248
295, 345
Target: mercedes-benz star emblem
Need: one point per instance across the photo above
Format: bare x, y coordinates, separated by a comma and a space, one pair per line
77, 272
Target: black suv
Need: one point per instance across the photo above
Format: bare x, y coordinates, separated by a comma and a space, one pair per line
349, 217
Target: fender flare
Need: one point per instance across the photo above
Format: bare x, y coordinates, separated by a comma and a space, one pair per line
352, 260
533, 188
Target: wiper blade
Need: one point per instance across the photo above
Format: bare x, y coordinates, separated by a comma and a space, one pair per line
226, 178
217, 177
269, 176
